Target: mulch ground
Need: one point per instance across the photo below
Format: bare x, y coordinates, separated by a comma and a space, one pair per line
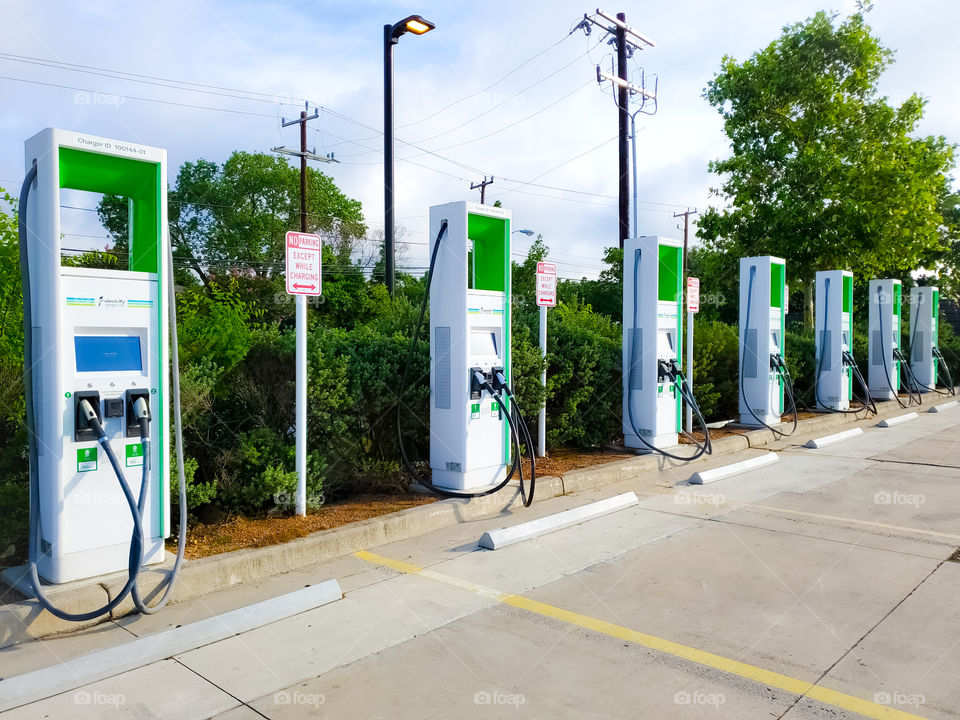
206, 539
239, 532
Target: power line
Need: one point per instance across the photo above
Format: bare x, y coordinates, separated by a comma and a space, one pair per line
517, 122
249, 95
491, 85
504, 102
481, 137
346, 118
134, 97
135, 77
555, 167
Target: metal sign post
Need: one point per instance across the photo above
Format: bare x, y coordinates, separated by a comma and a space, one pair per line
303, 279
693, 307
546, 297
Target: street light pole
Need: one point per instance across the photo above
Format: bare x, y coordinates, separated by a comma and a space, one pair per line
388, 230
391, 35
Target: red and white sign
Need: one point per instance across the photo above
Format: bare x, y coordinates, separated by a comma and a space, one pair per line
693, 295
546, 284
303, 263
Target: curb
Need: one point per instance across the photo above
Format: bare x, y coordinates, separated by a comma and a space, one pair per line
24, 621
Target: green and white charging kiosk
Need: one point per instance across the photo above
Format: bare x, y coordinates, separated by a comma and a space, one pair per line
99, 336
834, 339
762, 327
884, 339
652, 339
469, 333
924, 343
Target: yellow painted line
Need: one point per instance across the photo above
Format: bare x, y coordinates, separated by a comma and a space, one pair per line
869, 523
700, 657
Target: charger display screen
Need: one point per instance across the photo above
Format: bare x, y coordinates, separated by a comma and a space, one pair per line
107, 353
483, 342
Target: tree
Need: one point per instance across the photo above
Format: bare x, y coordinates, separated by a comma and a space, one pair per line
605, 294
825, 173
234, 216
11, 321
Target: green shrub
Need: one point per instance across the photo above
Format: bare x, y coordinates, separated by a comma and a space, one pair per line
583, 377
800, 349
715, 371
198, 493
528, 364
262, 472
355, 375
215, 323
949, 343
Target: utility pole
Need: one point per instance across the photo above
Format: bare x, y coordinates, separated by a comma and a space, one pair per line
622, 120
625, 48
686, 227
482, 186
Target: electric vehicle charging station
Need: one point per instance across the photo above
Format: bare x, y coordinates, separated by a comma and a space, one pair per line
653, 384
98, 336
834, 338
470, 443
924, 315
763, 376
884, 369
96, 364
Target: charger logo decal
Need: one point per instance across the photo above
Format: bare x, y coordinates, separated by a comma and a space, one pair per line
109, 302
81, 302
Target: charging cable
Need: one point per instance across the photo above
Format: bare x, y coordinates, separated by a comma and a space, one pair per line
670, 369
936, 354
777, 364
867, 400
401, 388
883, 353
137, 542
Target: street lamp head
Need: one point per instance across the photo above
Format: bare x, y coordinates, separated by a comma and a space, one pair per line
526, 232
414, 24
418, 25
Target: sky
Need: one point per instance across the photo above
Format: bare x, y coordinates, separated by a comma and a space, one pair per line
498, 89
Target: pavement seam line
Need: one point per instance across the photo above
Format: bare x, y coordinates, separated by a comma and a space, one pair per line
865, 635
802, 688
223, 690
726, 519
870, 523
879, 459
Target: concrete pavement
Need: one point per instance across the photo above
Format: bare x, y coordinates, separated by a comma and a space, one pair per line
818, 587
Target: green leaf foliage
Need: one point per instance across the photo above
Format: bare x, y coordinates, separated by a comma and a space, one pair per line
823, 171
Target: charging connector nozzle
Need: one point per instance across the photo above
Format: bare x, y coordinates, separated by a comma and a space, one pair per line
87, 409
478, 383
141, 409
